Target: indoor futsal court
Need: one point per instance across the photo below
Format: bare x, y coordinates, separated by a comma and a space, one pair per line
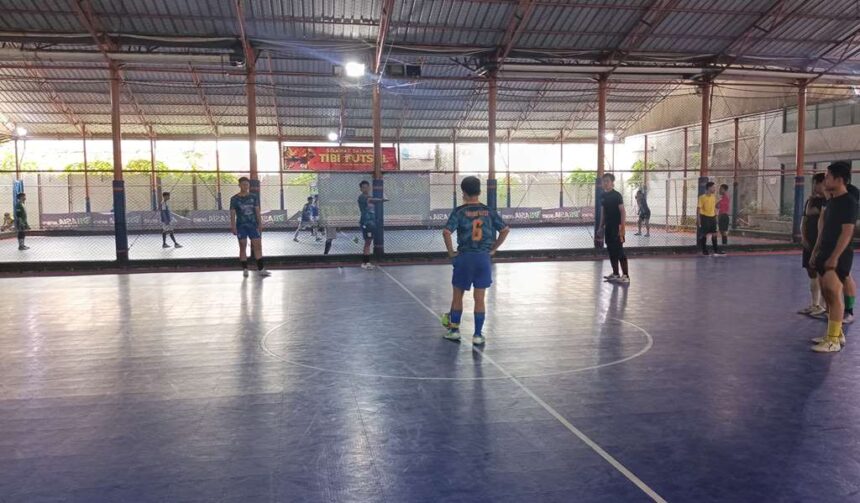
429, 251
691, 384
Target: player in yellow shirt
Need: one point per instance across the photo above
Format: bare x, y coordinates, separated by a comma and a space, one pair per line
706, 219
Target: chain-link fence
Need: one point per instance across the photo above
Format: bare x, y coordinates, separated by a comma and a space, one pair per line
545, 192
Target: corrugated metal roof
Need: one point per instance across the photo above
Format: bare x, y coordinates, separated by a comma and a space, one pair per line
302, 41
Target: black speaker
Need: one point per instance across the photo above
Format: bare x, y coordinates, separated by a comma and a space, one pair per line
395, 70
413, 71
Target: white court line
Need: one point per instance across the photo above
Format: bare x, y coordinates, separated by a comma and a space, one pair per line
554, 413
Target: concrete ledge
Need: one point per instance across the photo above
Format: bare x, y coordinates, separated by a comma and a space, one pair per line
9, 269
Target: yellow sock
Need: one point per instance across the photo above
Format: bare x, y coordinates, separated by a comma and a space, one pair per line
834, 329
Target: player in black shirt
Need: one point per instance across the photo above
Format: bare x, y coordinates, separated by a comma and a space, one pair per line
833, 255
809, 233
612, 218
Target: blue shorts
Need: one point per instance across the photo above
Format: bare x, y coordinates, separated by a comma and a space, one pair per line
472, 269
247, 232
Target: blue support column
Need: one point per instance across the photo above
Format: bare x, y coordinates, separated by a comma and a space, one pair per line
119, 223
703, 182
798, 208
379, 237
598, 209
492, 191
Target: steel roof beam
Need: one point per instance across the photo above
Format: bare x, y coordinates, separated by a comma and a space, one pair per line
207, 110
274, 92
88, 19
530, 106
851, 39
57, 101
657, 12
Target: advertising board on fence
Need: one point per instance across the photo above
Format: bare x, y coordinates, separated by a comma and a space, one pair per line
151, 220
297, 158
343, 212
525, 216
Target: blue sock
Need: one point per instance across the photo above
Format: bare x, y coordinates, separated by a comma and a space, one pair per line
479, 322
455, 319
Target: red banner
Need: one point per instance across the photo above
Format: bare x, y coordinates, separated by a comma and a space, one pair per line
336, 159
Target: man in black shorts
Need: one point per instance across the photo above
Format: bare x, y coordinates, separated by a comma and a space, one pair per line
809, 237
833, 255
612, 220
706, 219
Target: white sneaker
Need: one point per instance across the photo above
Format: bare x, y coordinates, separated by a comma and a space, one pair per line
819, 340
263, 273
719, 254
452, 335
478, 340
807, 310
827, 346
623, 280
368, 267
245, 273
817, 311
847, 319
611, 278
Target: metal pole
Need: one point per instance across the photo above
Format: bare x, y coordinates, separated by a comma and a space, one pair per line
735, 181
614, 139
378, 186
17, 160
217, 175
799, 160
645, 167
251, 93
491, 141
87, 207
156, 203
281, 171
704, 147
684, 196
454, 175
120, 227
561, 169
508, 174
601, 154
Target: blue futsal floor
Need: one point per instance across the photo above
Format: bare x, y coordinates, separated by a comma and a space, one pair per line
695, 383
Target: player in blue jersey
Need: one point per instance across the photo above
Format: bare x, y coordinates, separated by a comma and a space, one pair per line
247, 223
167, 222
480, 232
367, 220
307, 220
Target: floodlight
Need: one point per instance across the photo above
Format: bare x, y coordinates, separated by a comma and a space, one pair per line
332, 136
354, 69
609, 136
21, 131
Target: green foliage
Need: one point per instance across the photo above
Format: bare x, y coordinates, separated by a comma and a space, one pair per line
145, 165
307, 180
7, 163
92, 166
637, 178
580, 177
